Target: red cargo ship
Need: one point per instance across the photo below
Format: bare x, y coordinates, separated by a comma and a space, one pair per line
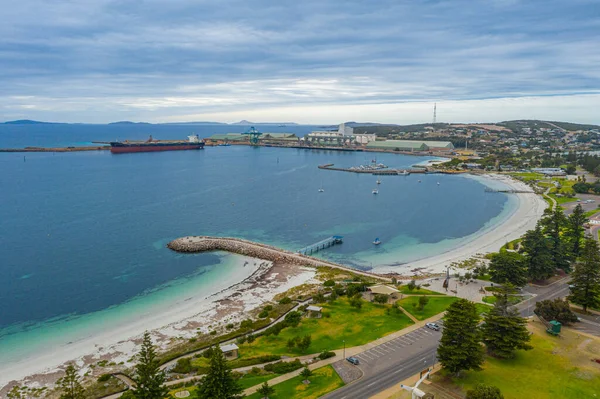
124, 147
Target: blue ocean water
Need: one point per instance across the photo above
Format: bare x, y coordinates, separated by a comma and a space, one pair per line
85, 232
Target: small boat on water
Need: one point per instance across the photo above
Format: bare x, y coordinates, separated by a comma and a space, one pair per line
438, 183
321, 190
419, 181
375, 191
377, 241
404, 173
378, 181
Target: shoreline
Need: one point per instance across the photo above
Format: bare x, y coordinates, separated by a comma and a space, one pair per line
179, 320
528, 210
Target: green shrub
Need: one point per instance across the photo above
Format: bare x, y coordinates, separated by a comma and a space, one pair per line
263, 314
183, 366
284, 367
285, 300
246, 323
229, 326
326, 355
329, 283
104, 377
268, 308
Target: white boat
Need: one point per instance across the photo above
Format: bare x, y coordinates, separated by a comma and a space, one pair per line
404, 173
377, 241
375, 191
378, 181
438, 183
321, 190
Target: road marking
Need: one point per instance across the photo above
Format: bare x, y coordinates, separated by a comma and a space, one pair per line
373, 383
399, 370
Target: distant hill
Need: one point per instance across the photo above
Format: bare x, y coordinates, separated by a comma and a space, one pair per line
129, 123
28, 122
194, 123
532, 123
248, 123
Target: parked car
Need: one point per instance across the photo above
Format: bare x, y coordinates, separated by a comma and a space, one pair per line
433, 326
353, 360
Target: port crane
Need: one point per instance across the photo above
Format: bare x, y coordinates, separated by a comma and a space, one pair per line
253, 134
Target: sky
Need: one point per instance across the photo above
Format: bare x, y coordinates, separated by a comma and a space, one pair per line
309, 61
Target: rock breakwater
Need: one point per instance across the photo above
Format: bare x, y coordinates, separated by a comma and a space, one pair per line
196, 244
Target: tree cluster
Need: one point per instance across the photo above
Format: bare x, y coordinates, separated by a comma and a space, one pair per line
555, 243
503, 332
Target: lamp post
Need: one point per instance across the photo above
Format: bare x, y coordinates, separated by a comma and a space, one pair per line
344, 341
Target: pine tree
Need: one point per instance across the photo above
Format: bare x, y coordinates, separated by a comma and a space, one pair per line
585, 281
265, 390
575, 230
504, 330
149, 379
70, 385
218, 383
553, 225
460, 347
537, 254
508, 267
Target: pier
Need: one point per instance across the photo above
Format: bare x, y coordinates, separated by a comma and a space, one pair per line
382, 171
316, 247
508, 191
197, 244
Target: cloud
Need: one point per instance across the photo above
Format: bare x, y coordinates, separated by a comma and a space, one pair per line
101, 60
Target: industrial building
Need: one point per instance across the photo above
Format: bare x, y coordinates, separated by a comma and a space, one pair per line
411, 145
344, 135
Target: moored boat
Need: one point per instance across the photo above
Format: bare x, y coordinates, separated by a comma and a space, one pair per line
150, 145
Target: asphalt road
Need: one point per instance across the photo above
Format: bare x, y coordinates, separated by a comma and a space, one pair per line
390, 363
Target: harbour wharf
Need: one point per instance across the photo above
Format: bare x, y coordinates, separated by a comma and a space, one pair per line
509, 191
386, 171
197, 244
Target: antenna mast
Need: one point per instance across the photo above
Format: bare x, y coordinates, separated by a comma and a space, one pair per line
434, 112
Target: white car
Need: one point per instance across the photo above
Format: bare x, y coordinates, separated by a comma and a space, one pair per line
433, 326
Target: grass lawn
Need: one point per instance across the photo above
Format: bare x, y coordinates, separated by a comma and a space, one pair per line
250, 380
491, 299
356, 327
421, 291
189, 389
563, 200
481, 308
528, 176
436, 305
591, 213
323, 380
557, 367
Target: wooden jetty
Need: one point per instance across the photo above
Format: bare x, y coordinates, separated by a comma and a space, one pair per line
316, 247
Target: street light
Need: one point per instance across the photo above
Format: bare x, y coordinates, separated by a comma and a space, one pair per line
344, 341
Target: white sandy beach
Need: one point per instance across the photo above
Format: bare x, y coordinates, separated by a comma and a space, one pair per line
524, 217
257, 283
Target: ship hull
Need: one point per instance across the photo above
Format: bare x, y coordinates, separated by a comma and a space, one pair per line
120, 148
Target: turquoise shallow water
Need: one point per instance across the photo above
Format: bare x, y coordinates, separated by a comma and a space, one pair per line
84, 234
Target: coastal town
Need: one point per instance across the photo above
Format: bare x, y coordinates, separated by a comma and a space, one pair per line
270, 341
300, 199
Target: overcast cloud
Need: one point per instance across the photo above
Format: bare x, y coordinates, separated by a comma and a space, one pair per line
310, 61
